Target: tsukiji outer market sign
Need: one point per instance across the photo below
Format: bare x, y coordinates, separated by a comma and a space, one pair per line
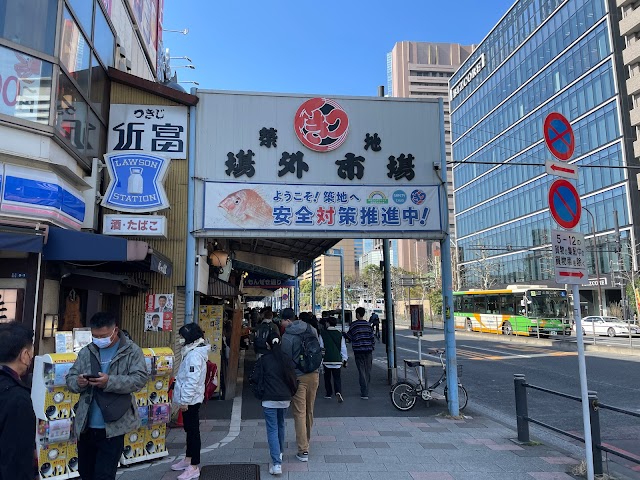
339, 167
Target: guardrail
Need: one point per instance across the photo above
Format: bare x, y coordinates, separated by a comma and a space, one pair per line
523, 420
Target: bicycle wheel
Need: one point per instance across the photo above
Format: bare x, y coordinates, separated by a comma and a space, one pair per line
463, 398
403, 396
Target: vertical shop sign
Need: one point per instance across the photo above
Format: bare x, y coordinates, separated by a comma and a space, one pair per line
210, 320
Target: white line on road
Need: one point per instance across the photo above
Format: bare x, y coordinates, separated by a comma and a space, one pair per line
513, 355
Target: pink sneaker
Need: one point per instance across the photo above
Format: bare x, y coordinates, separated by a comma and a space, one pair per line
181, 465
190, 473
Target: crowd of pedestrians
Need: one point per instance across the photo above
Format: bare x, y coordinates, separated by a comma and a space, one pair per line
291, 356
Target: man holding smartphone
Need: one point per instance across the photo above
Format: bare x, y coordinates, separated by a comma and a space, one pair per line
105, 374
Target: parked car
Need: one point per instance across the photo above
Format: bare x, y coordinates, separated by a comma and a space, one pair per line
611, 326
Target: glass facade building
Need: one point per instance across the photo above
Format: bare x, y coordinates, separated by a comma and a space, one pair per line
543, 56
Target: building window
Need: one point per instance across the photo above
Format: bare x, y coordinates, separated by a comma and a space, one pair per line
103, 39
83, 11
75, 52
30, 23
71, 113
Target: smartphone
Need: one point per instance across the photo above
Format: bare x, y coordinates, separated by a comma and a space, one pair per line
90, 376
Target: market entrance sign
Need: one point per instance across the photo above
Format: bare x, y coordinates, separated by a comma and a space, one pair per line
340, 167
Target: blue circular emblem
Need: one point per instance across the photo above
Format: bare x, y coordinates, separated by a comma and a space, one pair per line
399, 197
418, 197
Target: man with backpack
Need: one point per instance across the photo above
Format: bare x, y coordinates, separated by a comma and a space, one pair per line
300, 342
265, 328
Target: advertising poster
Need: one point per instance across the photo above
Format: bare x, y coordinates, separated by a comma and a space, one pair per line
210, 321
158, 315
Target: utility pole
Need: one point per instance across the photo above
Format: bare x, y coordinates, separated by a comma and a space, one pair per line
618, 249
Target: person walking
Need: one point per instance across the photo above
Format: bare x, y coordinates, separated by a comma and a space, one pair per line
105, 374
335, 357
17, 418
274, 381
363, 343
296, 333
265, 329
188, 394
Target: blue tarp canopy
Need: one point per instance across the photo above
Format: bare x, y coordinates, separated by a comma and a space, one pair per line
21, 242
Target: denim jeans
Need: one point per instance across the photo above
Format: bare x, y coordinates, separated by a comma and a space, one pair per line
274, 420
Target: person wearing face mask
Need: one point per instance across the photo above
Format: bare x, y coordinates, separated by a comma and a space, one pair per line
17, 419
105, 374
188, 394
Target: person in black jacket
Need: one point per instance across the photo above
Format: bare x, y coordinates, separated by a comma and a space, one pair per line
17, 419
275, 382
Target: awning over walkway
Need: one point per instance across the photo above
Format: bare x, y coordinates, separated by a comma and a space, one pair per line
18, 240
118, 254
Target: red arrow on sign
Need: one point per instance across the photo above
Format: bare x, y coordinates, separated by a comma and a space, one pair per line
562, 169
571, 274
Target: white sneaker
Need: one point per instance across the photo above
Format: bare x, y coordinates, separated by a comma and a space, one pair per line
190, 473
281, 457
181, 465
275, 469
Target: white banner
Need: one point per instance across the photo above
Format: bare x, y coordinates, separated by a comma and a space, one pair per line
135, 225
350, 210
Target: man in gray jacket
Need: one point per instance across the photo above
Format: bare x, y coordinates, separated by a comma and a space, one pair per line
106, 373
304, 400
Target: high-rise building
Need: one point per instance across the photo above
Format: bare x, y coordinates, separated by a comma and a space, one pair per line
543, 56
328, 267
416, 70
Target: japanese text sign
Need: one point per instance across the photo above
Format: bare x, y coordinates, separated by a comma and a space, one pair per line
340, 164
569, 257
136, 182
329, 208
148, 128
135, 225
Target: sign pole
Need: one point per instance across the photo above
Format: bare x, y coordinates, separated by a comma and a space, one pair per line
584, 394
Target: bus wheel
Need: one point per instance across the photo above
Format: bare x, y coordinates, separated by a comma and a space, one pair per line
507, 329
469, 326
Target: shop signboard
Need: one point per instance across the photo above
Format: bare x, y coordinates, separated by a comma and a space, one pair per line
136, 182
255, 280
342, 166
25, 86
135, 225
153, 129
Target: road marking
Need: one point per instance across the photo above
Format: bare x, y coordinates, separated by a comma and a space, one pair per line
492, 351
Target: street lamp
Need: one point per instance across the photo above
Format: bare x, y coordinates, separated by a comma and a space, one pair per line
597, 266
190, 81
338, 252
183, 31
192, 67
181, 58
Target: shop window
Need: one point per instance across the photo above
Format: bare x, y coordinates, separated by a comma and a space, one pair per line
31, 23
75, 52
11, 303
71, 113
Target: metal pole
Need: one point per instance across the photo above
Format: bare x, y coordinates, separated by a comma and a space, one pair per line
296, 293
190, 270
342, 285
388, 308
419, 337
584, 394
522, 410
313, 287
595, 433
597, 267
618, 247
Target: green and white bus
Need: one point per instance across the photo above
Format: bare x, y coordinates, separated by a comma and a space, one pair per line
516, 310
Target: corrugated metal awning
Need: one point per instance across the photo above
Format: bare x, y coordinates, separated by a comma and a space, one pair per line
219, 288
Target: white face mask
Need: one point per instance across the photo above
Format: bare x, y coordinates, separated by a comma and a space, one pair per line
103, 342
181, 341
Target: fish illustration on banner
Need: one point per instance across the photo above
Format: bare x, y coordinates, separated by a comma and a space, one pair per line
246, 206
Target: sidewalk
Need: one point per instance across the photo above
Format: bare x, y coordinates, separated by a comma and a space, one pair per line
367, 440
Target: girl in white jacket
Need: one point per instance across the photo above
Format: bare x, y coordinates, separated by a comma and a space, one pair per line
188, 394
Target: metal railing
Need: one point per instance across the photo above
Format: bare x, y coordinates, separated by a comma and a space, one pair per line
523, 420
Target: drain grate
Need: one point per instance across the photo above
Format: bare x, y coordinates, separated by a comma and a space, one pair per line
230, 471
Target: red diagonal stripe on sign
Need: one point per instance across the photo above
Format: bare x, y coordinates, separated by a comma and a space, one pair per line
558, 136
565, 204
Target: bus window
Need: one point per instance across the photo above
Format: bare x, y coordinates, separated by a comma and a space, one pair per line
479, 304
457, 303
507, 305
493, 304
467, 305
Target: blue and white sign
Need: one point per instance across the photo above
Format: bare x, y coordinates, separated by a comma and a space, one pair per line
136, 184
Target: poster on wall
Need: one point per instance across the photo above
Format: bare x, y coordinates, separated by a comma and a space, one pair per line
210, 320
158, 316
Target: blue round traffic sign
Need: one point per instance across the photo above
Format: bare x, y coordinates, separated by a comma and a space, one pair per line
564, 204
558, 135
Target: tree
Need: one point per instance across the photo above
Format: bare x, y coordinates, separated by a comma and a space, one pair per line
483, 272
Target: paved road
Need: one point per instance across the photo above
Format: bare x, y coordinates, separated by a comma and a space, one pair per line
489, 366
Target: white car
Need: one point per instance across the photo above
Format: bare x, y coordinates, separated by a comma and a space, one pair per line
610, 326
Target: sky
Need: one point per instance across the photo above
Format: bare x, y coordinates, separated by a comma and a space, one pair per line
302, 46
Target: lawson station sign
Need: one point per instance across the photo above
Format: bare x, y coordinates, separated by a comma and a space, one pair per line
340, 167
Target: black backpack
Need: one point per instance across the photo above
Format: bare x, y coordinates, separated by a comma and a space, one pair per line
262, 334
310, 356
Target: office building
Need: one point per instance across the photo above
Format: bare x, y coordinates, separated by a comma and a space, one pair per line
543, 56
327, 269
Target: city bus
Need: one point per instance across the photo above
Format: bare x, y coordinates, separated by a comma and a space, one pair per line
516, 310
